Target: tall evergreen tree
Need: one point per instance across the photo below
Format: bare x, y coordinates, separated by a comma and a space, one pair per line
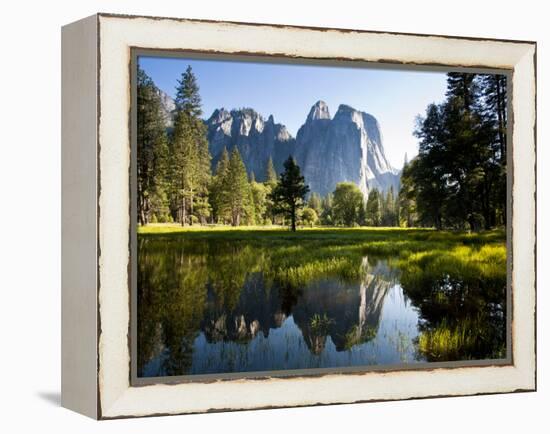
270, 183
188, 99
270, 175
205, 164
458, 175
218, 195
462, 86
237, 188
428, 170
373, 208
289, 194
467, 153
495, 98
362, 214
495, 104
315, 202
406, 198
190, 154
259, 194
388, 212
326, 210
151, 149
184, 164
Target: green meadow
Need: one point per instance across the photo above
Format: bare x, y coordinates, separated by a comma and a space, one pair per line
314, 252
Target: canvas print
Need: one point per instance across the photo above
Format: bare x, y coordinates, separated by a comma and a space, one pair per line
308, 216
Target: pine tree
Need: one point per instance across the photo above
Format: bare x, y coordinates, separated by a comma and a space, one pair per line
270, 183
271, 175
289, 194
463, 87
184, 165
326, 210
396, 211
190, 169
204, 169
315, 202
495, 103
362, 215
459, 177
429, 168
388, 208
151, 150
218, 195
494, 92
259, 193
467, 150
405, 198
373, 208
237, 188
188, 99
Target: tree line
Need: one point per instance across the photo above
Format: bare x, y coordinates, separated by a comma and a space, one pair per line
346, 206
175, 182
458, 179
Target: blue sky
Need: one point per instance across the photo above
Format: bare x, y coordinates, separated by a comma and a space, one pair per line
287, 91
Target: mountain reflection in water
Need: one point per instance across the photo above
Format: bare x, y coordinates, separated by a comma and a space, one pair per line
206, 309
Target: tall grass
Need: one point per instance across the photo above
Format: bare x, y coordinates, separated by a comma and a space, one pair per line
448, 342
298, 257
466, 339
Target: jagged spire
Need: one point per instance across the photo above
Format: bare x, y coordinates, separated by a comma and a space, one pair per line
313, 148
319, 111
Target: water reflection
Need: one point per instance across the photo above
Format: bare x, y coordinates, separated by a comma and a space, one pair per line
213, 307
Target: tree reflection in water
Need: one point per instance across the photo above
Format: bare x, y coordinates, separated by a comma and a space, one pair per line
207, 306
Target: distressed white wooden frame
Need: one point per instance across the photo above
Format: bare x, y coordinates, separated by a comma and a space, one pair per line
95, 259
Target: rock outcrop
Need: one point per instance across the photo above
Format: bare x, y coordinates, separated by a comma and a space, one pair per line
257, 139
329, 150
347, 147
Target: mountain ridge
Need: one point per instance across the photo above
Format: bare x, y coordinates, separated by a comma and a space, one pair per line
345, 147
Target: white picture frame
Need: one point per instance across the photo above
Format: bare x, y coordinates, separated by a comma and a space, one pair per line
96, 153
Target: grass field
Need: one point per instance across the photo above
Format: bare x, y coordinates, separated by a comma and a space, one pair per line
481, 255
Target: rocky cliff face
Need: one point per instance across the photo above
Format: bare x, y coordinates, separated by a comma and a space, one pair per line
346, 147
257, 139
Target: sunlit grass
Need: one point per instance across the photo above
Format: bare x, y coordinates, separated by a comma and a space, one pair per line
447, 342
306, 271
298, 257
453, 341
468, 262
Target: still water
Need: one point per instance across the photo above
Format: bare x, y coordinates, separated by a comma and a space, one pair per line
209, 307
